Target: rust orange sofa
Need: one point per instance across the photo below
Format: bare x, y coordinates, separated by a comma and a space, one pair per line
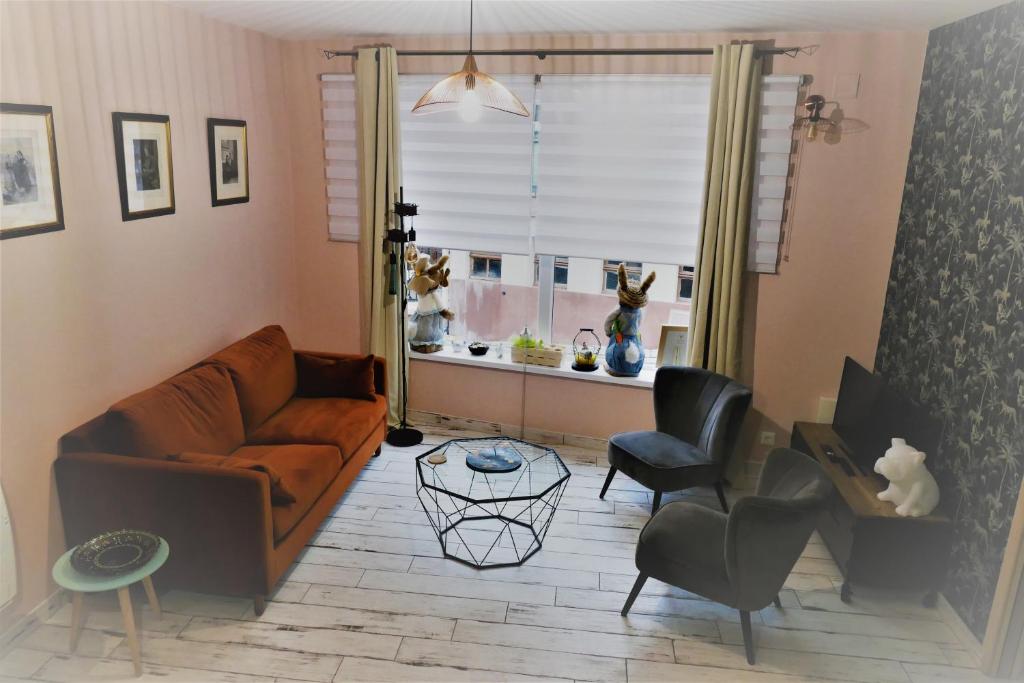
192, 459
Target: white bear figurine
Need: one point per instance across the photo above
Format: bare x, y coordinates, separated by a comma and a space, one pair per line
912, 488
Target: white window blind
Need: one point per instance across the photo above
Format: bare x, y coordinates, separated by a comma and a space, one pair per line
340, 156
775, 142
621, 166
471, 180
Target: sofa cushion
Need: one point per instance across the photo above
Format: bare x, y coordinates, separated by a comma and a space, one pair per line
342, 422
194, 411
335, 377
280, 494
262, 367
306, 471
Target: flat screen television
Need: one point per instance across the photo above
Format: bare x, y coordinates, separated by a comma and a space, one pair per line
870, 413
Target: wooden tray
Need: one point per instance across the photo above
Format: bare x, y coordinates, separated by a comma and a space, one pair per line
550, 356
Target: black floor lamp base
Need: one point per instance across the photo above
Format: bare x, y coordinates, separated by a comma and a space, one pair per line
403, 437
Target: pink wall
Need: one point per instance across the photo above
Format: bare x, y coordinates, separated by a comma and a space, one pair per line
826, 300
106, 308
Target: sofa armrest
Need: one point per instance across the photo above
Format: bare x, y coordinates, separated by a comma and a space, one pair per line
380, 368
216, 520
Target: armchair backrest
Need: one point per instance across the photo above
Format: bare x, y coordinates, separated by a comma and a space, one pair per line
767, 532
700, 407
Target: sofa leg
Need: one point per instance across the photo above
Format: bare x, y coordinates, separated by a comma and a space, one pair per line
748, 635
259, 604
657, 502
721, 497
377, 452
640, 581
777, 602
607, 482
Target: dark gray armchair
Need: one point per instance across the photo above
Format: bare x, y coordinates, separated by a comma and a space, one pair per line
741, 559
697, 415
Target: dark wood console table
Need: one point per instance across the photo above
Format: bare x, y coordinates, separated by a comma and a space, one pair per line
872, 545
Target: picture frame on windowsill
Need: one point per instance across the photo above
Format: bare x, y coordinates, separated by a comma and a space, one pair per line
31, 201
145, 171
672, 346
228, 149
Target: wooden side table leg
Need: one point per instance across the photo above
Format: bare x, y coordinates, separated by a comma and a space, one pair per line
154, 602
76, 619
125, 598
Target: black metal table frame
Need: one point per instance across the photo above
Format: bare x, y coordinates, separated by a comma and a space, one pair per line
442, 534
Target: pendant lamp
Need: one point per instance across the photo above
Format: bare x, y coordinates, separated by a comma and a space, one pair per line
469, 91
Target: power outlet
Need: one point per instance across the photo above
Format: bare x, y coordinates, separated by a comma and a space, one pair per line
767, 438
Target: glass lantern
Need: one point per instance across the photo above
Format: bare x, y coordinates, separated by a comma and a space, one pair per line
585, 356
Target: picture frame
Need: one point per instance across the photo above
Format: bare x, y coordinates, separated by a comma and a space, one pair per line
31, 201
673, 343
145, 168
228, 147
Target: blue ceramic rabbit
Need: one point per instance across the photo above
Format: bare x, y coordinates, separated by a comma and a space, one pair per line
624, 356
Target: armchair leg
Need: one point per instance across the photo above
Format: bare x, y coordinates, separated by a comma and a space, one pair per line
748, 635
778, 603
640, 581
721, 497
259, 603
607, 482
657, 502
376, 453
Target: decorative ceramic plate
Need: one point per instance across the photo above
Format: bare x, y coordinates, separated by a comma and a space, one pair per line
115, 552
494, 459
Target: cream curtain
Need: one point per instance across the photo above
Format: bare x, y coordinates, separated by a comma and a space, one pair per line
715, 323
379, 178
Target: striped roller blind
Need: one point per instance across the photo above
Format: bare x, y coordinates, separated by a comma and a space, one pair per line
340, 156
621, 166
775, 142
471, 180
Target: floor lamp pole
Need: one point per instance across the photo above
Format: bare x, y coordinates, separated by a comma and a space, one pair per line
403, 435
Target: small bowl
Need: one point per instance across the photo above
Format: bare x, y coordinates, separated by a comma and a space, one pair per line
478, 348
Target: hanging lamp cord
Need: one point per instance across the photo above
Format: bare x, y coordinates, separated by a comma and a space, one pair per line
470, 26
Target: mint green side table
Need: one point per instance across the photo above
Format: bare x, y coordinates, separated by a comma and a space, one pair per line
77, 583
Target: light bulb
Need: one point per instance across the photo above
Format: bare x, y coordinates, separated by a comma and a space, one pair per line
470, 110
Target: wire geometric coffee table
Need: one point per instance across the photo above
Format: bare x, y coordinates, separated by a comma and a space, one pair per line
489, 520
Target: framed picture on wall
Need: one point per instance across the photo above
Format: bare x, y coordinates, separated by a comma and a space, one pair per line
145, 172
672, 348
31, 202
229, 161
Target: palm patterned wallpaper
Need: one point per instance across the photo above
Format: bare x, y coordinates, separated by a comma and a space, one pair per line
952, 333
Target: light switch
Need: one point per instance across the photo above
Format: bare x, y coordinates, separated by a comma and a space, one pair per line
846, 87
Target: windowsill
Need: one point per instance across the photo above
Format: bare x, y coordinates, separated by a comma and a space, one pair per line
490, 362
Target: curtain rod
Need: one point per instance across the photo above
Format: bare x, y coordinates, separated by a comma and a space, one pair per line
543, 53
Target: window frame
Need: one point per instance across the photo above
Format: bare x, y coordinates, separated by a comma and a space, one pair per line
488, 257
560, 262
634, 271
684, 275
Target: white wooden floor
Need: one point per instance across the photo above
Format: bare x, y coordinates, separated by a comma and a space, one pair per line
371, 600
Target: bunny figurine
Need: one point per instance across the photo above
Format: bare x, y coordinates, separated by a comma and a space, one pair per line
428, 322
624, 356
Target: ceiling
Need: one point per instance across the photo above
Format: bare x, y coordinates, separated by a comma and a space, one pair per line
317, 19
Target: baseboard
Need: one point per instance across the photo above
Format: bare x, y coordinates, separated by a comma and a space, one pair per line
963, 634
423, 418
43, 611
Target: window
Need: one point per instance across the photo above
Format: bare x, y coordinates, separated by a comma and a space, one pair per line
561, 271
685, 283
606, 166
485, 266
634, 269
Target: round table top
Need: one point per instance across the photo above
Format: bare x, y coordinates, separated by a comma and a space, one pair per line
70, 578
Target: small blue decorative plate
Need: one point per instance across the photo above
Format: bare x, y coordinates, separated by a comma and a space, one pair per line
494, 459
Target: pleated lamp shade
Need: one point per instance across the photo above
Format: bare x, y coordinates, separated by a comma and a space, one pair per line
451, 93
